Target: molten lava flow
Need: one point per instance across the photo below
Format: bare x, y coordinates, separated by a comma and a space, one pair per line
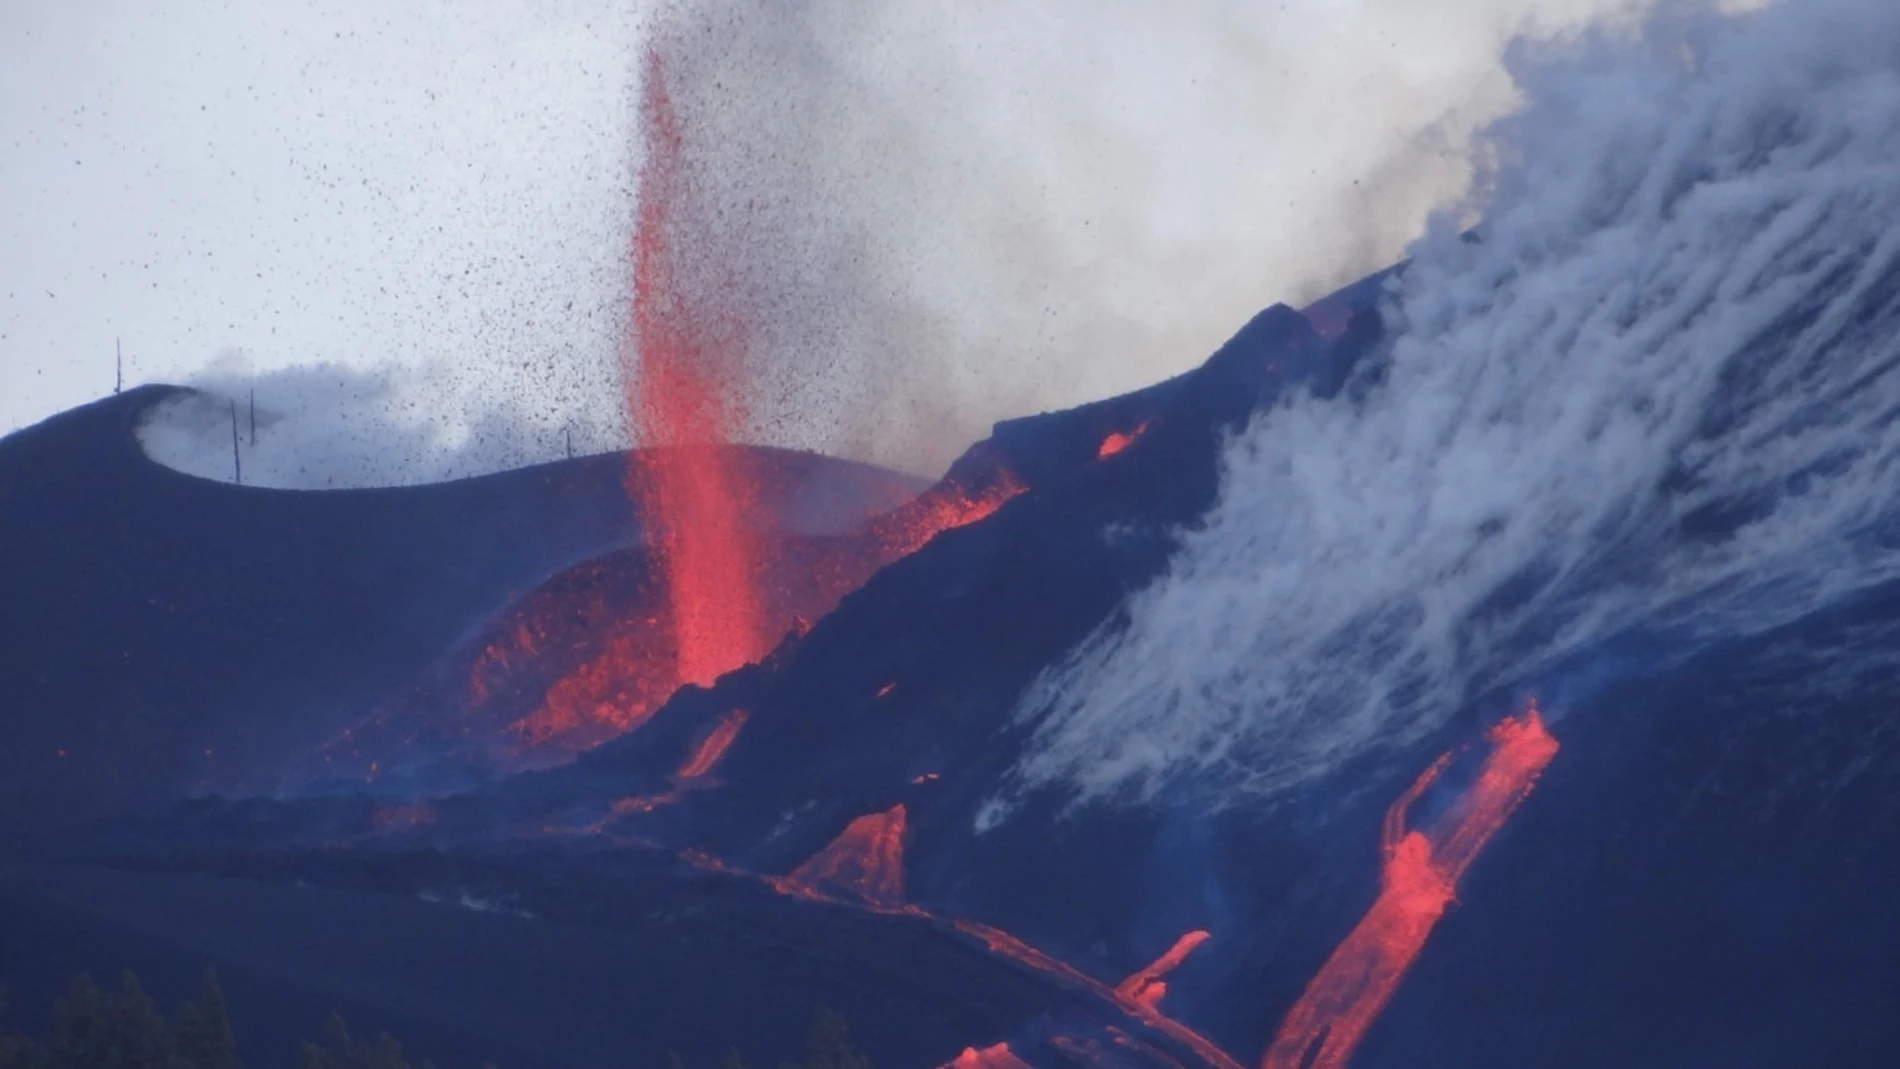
1147, 986
1006, 945
1119, 440
1422, 869
996, 1057
610, 694
944, 507
696, 502
865, 860
885, 690
713, 746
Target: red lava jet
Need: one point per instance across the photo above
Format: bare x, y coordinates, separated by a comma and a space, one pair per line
1119, 440
696, 502
865, 861
1421, 874
699, 500
1148, 986
713, 746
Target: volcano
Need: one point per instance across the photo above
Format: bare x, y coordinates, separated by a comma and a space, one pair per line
1488, 664
840, 816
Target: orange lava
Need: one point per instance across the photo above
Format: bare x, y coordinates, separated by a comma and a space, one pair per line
885, 690
696, 503
1119, 440
996, 1057
943, 507
713, 746
610, 694
1148, 986
1420, 879
1006, 945
866, 860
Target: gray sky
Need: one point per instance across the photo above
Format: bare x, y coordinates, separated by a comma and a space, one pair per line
1067, 198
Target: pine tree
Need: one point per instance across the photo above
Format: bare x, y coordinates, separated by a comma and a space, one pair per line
17, 1051
203, 1029
831, 1045
94, 1030
340, 1051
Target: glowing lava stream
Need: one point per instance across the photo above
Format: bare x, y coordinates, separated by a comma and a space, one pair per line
866, 861
713, 746
1147, 986
695, 501
1421, 874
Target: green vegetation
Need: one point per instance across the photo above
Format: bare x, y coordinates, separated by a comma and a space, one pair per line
830, 1049
123, 1029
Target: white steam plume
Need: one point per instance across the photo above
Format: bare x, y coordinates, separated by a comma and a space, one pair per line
1661, 394
330, 426
929, 215
934, 213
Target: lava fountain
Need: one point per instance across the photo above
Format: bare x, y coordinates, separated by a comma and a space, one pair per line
1420, 879
697, 504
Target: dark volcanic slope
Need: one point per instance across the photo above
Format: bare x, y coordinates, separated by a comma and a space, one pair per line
1705, 875
161, 632
697, 969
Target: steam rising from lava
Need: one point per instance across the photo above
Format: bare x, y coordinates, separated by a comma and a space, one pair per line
1655, 399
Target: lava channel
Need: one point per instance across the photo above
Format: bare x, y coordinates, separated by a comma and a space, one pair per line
1420, 879
713, 746
866, 863
1149, 986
